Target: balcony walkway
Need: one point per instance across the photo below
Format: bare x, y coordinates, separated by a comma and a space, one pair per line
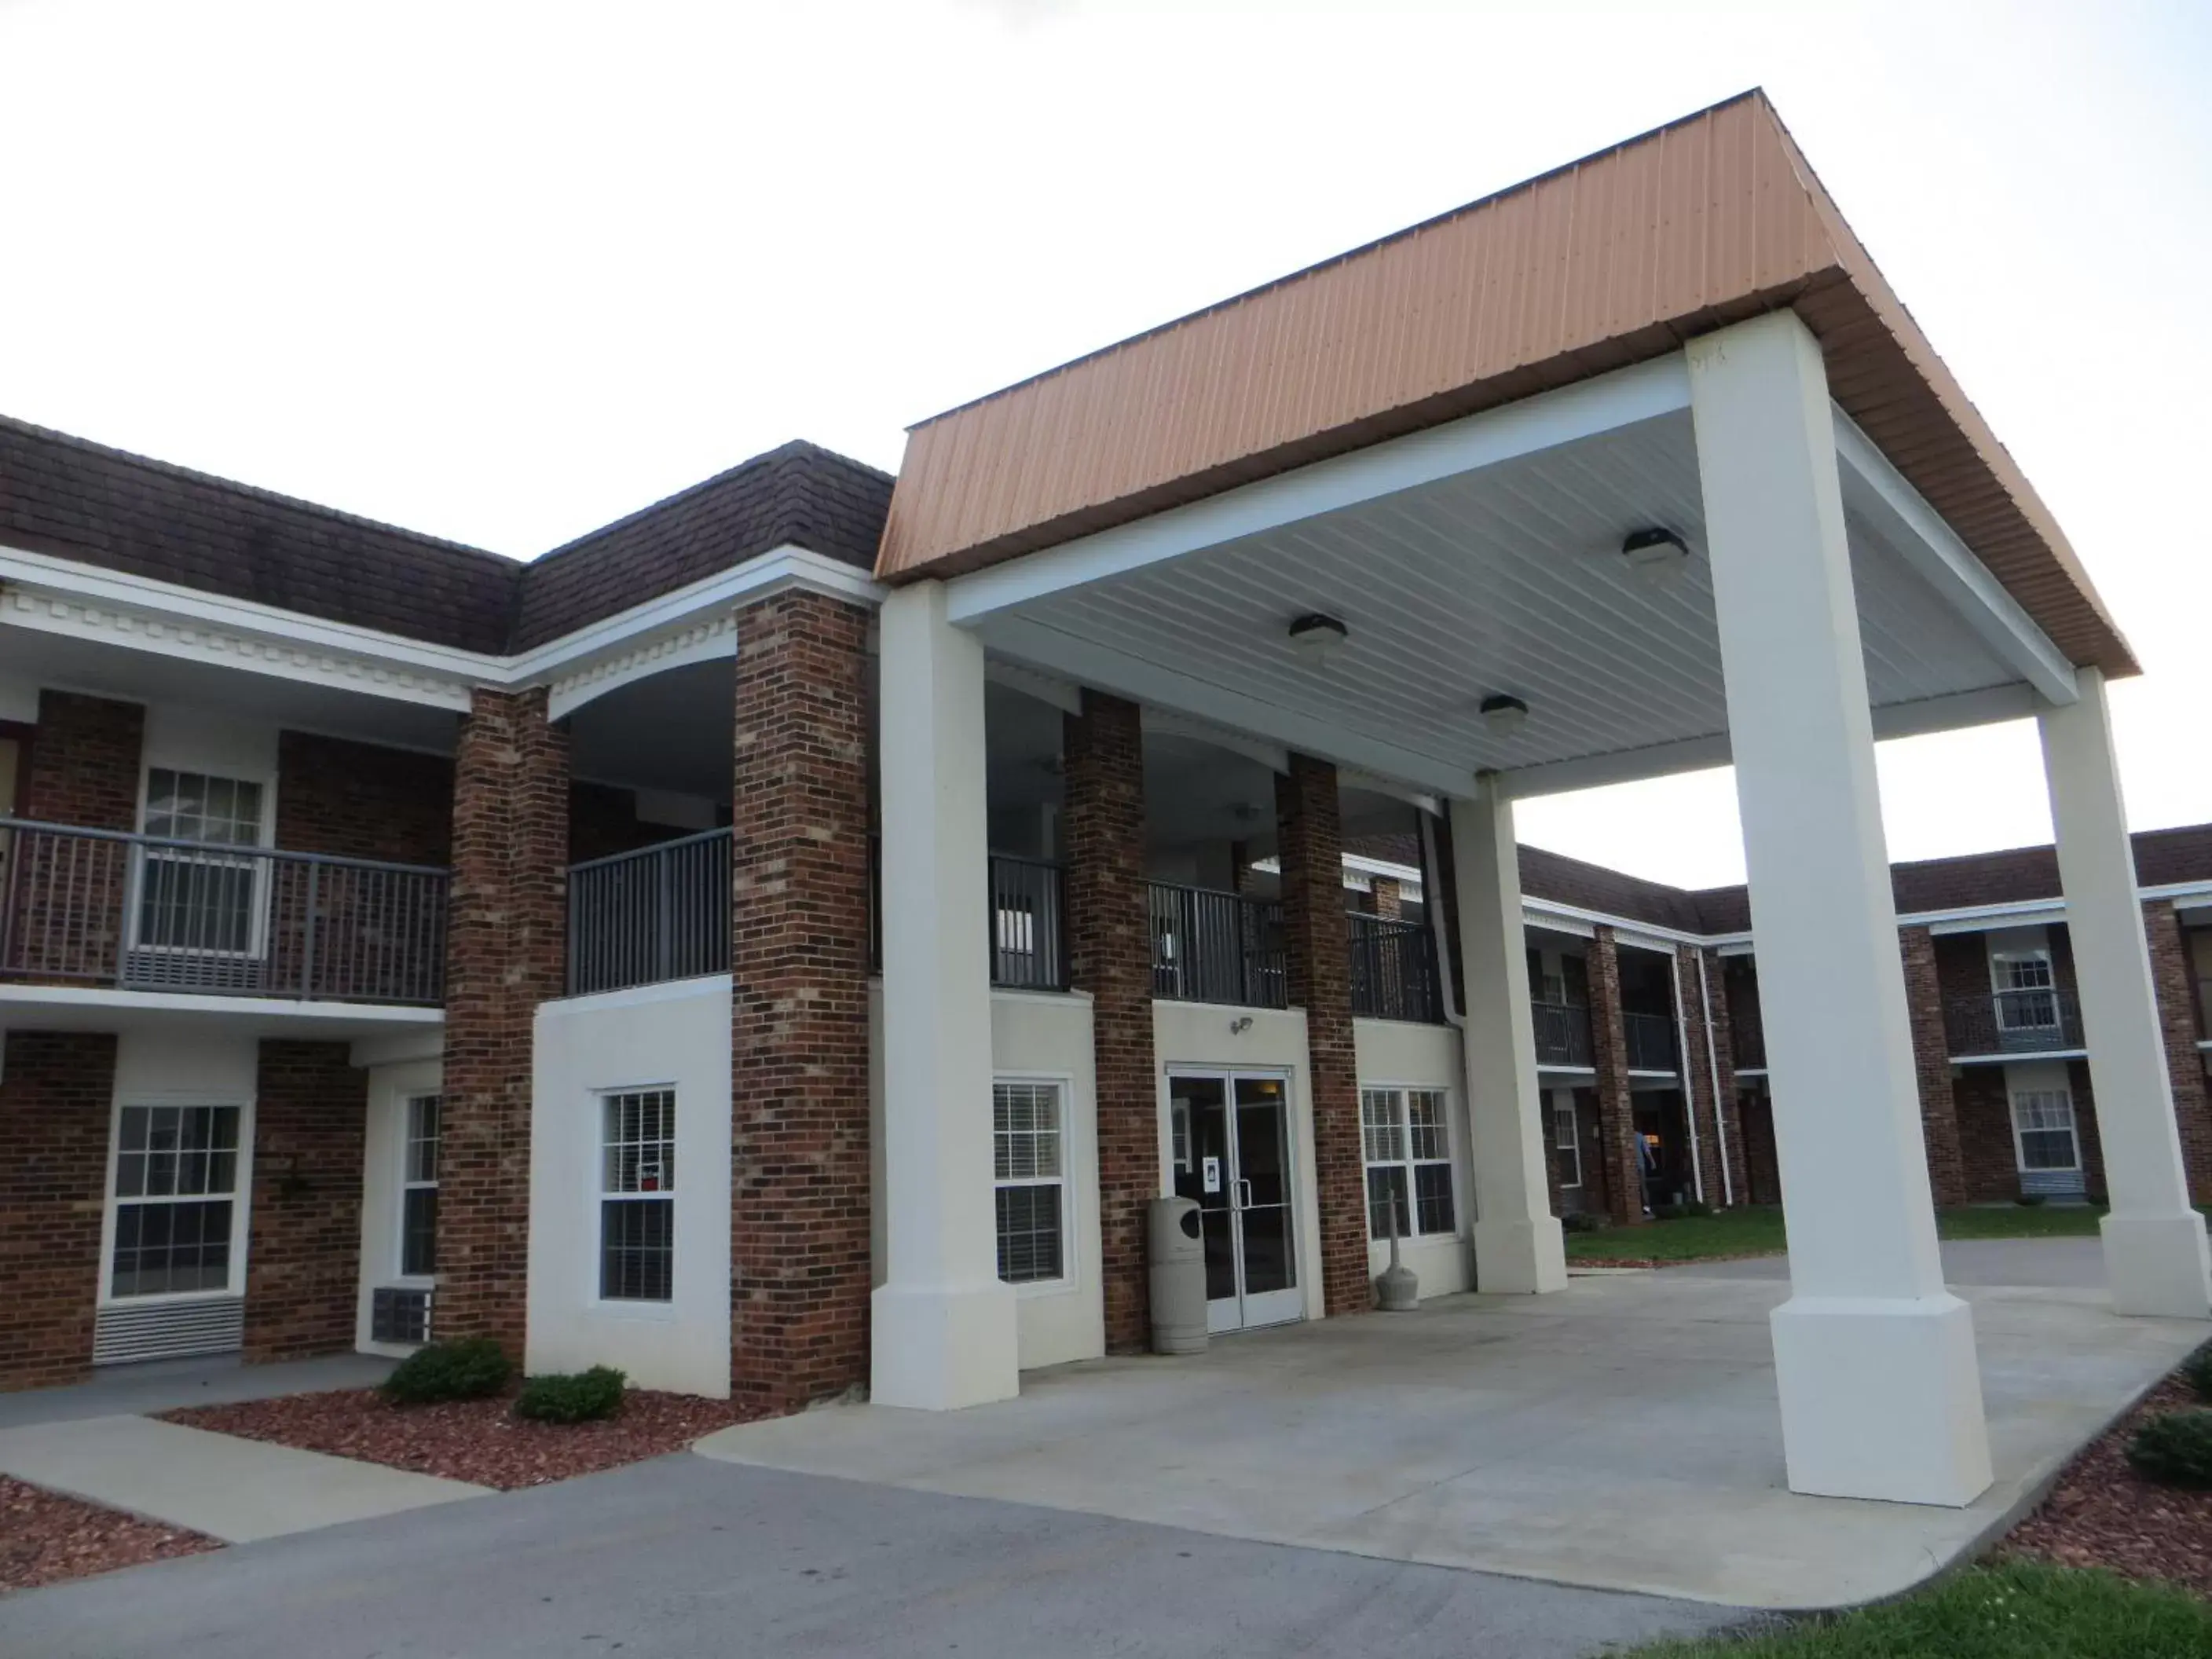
1534, 1435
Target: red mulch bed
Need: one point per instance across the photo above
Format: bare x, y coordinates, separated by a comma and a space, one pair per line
478, 1441
45, 1538
2103, 1513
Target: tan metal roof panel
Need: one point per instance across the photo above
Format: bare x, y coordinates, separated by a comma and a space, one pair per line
1614, 259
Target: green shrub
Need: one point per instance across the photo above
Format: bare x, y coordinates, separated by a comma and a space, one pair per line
2030, 1201
2197, 1367
571, 1396
1582, 1221
2175, 1449
470, 1369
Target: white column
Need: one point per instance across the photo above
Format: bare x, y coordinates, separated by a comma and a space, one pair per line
1874, 1358
2155, 1257
943, 1331
1517, 1242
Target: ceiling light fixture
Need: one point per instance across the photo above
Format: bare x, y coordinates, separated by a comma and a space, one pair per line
1655, 552
1315, 636
1504, 716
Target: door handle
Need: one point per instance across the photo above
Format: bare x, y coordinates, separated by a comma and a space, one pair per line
1243, 1193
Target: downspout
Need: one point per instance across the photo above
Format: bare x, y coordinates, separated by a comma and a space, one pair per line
1689, 1086
1713, 1071
1432, 894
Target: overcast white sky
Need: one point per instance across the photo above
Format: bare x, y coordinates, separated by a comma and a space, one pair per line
505, 272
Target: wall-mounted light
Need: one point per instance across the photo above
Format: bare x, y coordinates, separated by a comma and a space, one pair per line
1655, 552
1504, 716
1241, 1024
1315, 636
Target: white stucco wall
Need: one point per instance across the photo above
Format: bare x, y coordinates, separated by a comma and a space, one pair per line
1045, 1036
674, 1036
382, 1152
1201, 1036
1396, 1054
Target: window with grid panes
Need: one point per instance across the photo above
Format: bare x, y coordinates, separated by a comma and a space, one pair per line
190, 900
1029, 1176
2043, 1122
637, 1202
1566, 1140
2027, 993
418, 1185
176, 1179
1406, 1142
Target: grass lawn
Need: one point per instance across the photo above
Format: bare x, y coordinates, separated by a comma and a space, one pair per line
2014, 1610
1757, 1231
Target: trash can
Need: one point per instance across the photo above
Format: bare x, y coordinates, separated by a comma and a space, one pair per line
1177, 1249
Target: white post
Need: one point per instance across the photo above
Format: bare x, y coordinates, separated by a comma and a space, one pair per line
2156, 1256
1517, 1242
943, 1323
1873, 1358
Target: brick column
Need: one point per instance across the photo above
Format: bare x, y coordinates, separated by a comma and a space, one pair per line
1931, 1063
1317, 964
800, 1249
1385, 899
310, 1121
1702, 1098
1618, 1143
1110, 957
2174, 977
83, 771
1714, 1004
56, 1093
505, 953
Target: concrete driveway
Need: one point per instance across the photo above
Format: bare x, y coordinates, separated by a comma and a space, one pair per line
1622, 1434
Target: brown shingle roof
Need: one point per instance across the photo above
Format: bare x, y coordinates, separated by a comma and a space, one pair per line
76, 500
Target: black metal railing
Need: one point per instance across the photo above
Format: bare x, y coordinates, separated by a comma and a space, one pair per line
2013, 1023
1563, 1033
1211, 946
1393, 970
1028, 945
1650, 1039
1748, 1033
147, 913
644, 917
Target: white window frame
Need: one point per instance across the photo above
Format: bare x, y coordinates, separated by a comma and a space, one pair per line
1064, 1087
2065, 1095
241, 1203
1567, 1117
406, 1183
1401, 1094
637, 1306
2007, 995
264, 839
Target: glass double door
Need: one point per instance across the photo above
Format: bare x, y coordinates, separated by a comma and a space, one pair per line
1232, 1154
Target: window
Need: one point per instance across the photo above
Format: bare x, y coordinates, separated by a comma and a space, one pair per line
1407, 1146
1030, 1174
191, 901
176, 1177
2025, 997
418, 1187
1566, 1140
2043, 1124
637, 1203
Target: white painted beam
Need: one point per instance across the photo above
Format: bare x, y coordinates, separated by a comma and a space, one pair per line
1643, 392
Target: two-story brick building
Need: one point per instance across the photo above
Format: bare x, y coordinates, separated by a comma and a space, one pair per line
779, 942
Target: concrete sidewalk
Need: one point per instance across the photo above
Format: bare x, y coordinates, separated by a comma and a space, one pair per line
1622, 1434
162, 1385
218, 1484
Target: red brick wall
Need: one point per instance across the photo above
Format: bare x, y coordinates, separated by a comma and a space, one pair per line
1720, 1059
361, 800
1696, 1062
800, 1251
1110, 957
1931, 1065
1317, 962
505, 950
1617, 1144
2085, 1128
1762, 1163
2174, 977
85, 762
84, 769
57, 1096
1988, 1164
310, 1117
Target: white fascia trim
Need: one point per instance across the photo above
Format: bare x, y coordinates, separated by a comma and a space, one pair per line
1626, 396
62, 596
1643, 935
1534, 915
1151, 685
2019, 1060
186, 1002
1404, 874
1066, 695
1905, 522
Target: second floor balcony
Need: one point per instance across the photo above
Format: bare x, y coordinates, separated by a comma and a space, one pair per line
141, 913
2027, 1022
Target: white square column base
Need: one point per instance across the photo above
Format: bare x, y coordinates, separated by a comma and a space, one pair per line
940, 1350
1881, 1398
2159, 1265
1521, 1258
